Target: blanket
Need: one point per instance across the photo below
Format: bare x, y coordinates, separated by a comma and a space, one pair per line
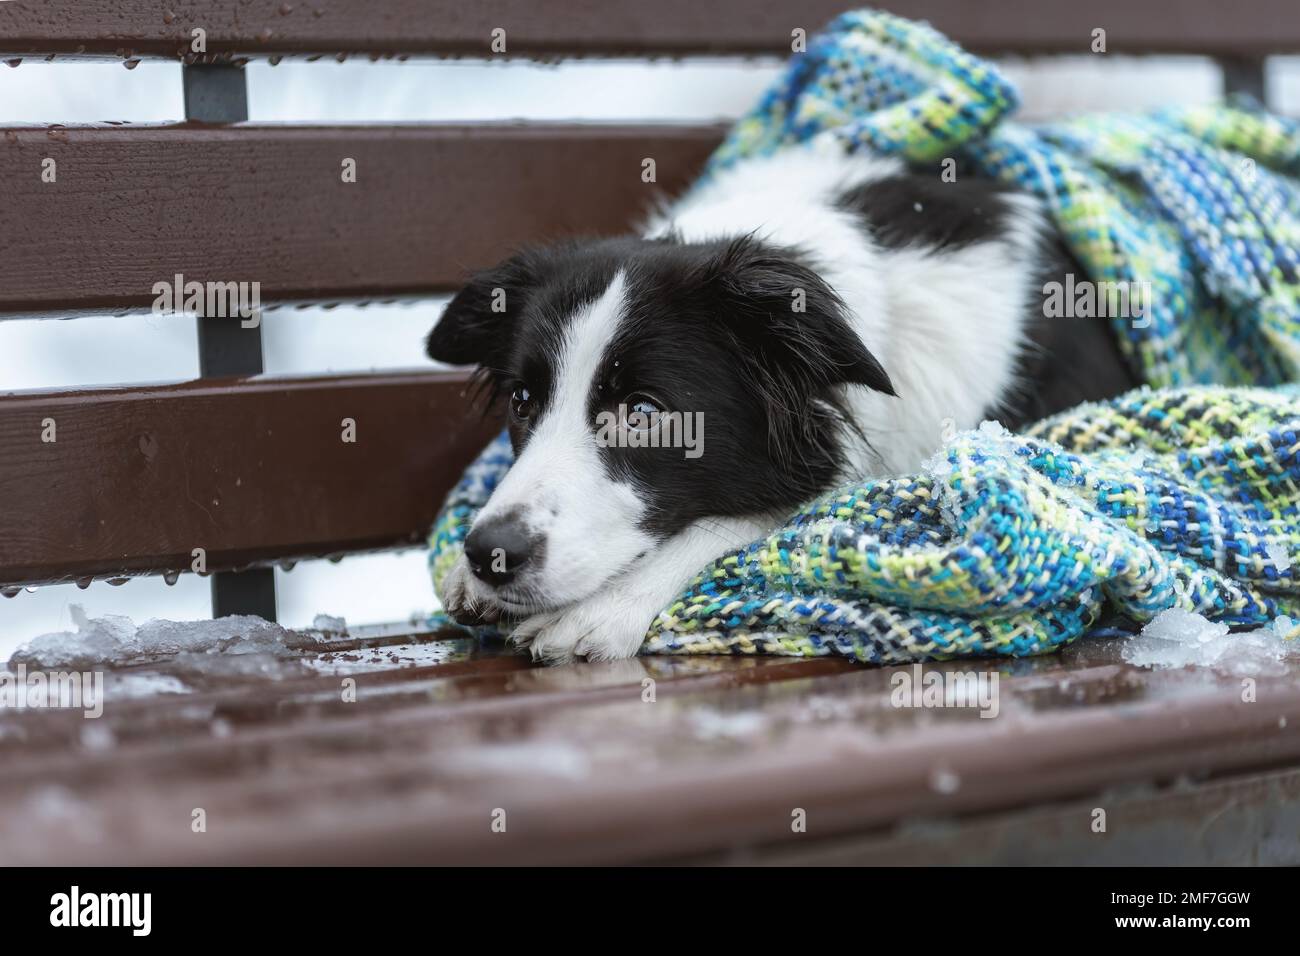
1199, 202
1182, 495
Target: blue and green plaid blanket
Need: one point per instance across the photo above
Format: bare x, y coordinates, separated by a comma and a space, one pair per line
1184, 495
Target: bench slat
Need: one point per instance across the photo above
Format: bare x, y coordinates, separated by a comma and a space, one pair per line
248, 470
269, 204
589, 770
544, 28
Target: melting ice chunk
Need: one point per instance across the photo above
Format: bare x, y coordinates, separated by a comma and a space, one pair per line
993, 429
116, 640
1278, 555
1177, 638
330, 625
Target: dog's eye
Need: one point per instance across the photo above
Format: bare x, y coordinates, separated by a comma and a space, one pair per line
521, 404
641, 412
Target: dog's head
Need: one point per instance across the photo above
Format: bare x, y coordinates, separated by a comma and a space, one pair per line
648, 384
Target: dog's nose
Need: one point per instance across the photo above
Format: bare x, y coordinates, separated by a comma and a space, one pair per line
497, 550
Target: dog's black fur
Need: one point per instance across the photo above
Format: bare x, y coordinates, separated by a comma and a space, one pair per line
710, 330
1066, 361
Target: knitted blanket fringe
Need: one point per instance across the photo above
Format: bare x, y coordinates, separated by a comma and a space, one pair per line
1182, 496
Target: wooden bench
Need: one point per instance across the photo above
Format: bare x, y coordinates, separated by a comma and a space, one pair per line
444, 732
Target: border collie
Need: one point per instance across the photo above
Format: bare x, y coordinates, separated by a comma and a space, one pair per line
824, 317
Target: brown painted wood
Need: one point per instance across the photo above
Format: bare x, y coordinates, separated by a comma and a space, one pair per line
546, 28
589, 770
248, 470
478, 684
1246, 820
133, 206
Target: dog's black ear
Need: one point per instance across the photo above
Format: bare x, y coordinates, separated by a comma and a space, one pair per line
789, 320
476, 324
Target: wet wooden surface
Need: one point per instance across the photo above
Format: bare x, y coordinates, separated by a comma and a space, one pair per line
647, 760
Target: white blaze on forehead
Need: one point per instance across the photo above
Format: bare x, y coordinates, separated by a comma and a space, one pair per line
575, 368
559, 486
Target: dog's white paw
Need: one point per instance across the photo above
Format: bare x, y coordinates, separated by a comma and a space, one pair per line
465, 598
607, 627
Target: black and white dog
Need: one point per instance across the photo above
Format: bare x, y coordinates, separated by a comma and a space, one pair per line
821, 315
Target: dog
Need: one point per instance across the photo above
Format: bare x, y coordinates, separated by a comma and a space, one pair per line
822, 315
